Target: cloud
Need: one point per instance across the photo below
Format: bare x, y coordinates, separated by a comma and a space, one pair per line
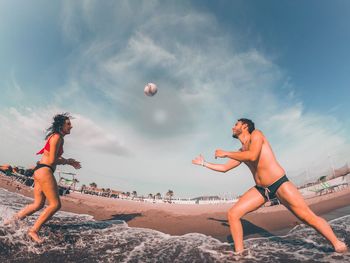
23, 132
205, 83
12, 89
192, 70
306, 138
98, 138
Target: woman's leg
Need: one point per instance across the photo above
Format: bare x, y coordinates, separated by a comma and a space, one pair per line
48, 184
39, 202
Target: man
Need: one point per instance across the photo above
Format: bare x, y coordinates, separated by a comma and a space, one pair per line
270, 180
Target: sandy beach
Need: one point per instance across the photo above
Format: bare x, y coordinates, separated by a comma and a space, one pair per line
176, 219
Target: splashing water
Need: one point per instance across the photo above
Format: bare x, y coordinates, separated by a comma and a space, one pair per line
78, 238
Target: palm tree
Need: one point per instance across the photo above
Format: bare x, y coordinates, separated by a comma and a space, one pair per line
150, 196
93, 185
127, 194
134, 194
159, 196
82, 188
169, 194
108, 190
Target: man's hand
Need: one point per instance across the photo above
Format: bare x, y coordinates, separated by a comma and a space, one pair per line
199, 160
74, 163
220, 153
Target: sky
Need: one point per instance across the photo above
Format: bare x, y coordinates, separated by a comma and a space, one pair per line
283, 64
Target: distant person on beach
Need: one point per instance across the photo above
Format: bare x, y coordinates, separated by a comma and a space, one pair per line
271, 182
6, 168
45, 183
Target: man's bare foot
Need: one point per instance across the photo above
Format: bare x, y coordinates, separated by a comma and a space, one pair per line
238, 253
35, 237
340, 247
241, 253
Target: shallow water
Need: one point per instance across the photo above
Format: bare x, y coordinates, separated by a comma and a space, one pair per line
78, 238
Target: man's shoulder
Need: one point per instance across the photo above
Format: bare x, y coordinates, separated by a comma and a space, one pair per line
257, 133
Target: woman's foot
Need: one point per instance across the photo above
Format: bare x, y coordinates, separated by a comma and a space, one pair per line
35, 237
340, 247
8, 221
11, 220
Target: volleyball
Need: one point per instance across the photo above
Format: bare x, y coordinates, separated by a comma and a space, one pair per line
150, 89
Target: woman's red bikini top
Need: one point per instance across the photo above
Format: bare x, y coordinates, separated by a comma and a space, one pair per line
47, 147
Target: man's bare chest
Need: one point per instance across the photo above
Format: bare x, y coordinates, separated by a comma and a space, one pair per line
245, 147
251, 164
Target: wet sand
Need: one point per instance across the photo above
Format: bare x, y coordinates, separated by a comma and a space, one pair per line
176, 219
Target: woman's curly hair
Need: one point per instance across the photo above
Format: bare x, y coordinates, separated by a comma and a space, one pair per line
57, 124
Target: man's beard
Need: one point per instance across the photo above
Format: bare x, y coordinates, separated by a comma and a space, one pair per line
235, 135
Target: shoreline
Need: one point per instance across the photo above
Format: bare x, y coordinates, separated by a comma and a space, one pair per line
180, 219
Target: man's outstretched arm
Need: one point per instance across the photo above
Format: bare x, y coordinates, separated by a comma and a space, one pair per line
251, 155
216, 167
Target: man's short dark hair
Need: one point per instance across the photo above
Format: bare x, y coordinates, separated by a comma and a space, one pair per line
250, 124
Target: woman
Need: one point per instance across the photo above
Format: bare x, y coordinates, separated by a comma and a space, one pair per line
45, 183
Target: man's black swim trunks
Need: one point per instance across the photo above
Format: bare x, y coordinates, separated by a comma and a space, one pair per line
270, 191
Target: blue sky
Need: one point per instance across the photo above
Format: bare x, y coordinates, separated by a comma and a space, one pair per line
283, 64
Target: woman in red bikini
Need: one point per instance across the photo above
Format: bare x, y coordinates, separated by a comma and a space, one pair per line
45, 183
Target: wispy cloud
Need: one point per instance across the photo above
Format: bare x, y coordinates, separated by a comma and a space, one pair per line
24, 130
192, 70
98, 138
205, 83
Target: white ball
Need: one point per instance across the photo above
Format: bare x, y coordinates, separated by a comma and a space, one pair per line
150, 89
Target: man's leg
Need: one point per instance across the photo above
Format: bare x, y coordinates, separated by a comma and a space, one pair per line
250, 201
293, 200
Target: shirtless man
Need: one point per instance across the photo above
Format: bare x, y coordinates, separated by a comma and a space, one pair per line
270, 180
